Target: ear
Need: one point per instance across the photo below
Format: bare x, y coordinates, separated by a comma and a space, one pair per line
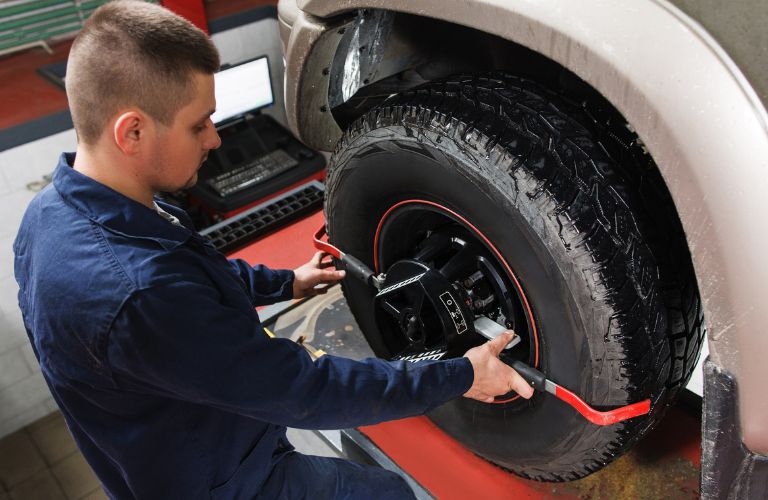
130, 130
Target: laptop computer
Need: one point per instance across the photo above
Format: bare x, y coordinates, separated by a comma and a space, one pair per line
258, 156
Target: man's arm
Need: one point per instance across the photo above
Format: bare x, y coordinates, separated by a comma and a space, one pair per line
210, 354
267, 286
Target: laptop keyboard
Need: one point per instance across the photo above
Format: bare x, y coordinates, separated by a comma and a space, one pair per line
254, 172
265, 218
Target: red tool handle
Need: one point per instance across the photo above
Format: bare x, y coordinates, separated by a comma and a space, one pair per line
324, 246
352, 265
539, 382
602, 417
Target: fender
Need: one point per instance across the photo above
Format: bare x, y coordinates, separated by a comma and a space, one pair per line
686, 99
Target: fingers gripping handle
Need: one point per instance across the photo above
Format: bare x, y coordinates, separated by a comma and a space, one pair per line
353, 266
534, 377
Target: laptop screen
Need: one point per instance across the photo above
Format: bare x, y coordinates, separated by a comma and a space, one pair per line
242, 88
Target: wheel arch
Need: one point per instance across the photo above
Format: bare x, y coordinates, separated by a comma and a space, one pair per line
688, 102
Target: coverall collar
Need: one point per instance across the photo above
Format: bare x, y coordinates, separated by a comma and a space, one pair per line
112, 210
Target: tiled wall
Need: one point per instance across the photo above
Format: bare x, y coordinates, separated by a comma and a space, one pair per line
24, 397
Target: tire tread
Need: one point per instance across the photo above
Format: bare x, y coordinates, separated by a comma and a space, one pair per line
612, 210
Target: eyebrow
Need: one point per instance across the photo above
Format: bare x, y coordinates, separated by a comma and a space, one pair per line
207, 115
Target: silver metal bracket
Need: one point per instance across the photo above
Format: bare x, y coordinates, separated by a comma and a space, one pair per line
490, 330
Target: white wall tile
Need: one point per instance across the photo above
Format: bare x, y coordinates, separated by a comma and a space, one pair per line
23, 395
9, 295
6, 255
30, 162
29, 415
13, 367
51, 405
12, 333
12, 207
29, 357
4, 187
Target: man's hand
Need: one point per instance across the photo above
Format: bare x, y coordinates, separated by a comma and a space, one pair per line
492, 376
314, 273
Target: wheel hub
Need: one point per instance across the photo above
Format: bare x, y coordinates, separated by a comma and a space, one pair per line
430, 311
428, 303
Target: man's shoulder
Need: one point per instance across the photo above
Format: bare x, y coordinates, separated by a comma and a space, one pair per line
68, 287
61, 264
54, 233
53, 230
46, 200
52, 239
48, 217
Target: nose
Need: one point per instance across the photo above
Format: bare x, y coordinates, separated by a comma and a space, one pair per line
213, 141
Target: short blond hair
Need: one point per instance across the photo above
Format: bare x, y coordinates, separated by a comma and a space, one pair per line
133, 53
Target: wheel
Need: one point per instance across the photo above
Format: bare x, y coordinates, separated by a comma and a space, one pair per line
545, 218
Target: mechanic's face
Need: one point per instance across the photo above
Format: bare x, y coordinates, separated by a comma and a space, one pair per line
180, 150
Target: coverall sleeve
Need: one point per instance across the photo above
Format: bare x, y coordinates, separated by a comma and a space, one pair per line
209, 354
265, 286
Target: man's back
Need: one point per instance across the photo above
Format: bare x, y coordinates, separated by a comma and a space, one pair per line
79, 261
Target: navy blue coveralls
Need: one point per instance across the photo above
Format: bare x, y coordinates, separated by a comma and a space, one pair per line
150, 344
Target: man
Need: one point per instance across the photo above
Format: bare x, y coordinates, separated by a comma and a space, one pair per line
148, 337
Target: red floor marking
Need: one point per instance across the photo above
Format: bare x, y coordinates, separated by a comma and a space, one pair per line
220, 8
449, 471
191, 10
27, 95
444, 467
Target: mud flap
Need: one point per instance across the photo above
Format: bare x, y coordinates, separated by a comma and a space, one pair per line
728, 469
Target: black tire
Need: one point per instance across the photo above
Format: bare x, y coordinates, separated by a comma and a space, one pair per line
579, 212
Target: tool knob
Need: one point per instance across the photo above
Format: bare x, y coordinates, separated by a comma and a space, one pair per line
534, 377
357, 269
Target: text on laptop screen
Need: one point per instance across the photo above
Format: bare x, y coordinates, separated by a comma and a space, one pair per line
242, 88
